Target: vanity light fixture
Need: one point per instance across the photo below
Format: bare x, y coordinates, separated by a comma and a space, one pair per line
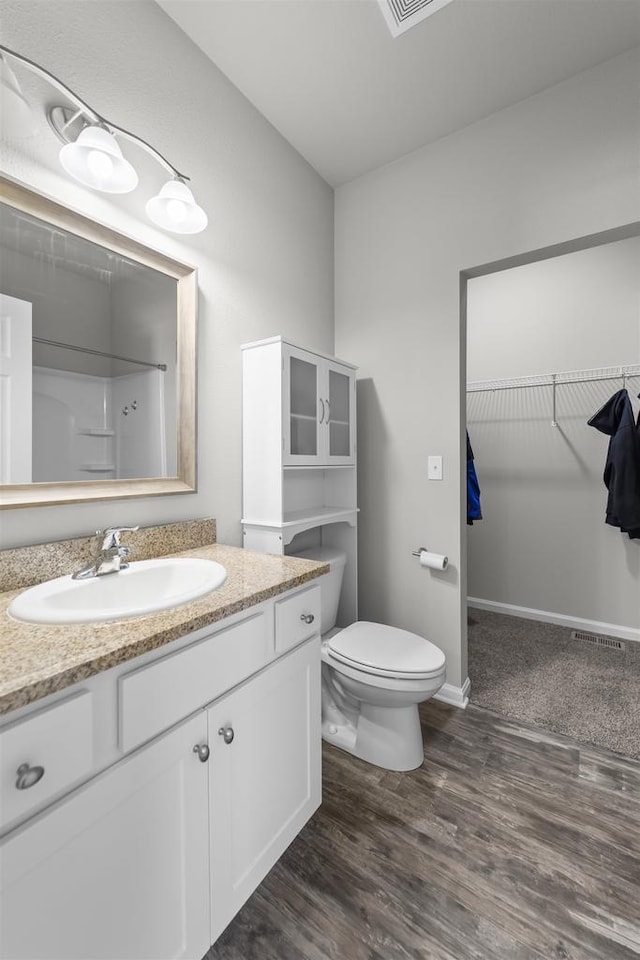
96, 160
175, 209
91, 153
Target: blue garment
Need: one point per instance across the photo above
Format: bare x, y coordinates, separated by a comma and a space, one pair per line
474, 511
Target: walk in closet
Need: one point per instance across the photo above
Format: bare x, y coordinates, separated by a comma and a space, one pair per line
548, 344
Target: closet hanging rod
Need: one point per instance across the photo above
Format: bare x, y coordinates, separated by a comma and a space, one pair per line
623, 373
98, 353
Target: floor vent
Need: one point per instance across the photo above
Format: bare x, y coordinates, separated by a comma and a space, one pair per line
600, 641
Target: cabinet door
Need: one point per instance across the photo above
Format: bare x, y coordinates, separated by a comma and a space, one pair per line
339, 420
120, 868
303, 411
265, 783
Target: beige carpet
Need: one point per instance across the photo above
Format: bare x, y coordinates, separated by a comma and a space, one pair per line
534, 672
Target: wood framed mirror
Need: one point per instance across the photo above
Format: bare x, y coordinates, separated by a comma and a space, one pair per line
97, 360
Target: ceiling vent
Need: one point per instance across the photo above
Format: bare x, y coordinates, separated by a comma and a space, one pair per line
403, 14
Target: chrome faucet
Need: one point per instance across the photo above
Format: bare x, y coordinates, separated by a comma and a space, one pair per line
110, 558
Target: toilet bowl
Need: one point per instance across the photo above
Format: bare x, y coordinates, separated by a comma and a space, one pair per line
373, 678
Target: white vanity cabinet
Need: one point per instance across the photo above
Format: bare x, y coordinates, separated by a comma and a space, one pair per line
120, 869
154, 855
264, 775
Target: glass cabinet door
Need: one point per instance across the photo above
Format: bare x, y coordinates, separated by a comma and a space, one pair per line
339, 445
339, 416
318, 410
302, 405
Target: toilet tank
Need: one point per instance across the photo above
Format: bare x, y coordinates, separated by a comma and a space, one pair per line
330, 585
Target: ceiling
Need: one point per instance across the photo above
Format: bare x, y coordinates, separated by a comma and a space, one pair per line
349, 97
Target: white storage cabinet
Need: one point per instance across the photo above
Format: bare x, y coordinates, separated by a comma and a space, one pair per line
154, 854
299, 455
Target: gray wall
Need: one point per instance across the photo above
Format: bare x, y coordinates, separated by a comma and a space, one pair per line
265, 264
543, 543
559, 165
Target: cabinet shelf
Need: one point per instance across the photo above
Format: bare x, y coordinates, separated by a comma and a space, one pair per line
314, 518
95, 432
303, 416
297, 521
319, 515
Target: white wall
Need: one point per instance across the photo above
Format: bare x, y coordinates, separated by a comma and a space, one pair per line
543, 542
67, 307
265, 263
559, 165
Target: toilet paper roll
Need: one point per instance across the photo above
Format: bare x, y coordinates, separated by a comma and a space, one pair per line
435, 561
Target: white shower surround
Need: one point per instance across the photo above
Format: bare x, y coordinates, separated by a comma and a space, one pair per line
81, 433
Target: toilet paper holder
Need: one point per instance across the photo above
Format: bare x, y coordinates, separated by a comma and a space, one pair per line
434, 561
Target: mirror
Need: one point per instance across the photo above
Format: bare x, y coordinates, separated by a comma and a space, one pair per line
97, 360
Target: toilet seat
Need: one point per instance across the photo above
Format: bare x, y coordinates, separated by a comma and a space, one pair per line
386, 651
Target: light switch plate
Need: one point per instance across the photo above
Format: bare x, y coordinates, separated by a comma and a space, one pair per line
434, 468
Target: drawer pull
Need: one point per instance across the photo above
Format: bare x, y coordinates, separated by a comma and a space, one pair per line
227, 734
28, 776
203, 752
307, 617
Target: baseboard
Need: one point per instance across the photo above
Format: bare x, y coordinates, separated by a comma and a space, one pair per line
560, 619
456, 696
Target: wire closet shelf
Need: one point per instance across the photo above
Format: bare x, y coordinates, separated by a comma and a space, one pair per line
621, 372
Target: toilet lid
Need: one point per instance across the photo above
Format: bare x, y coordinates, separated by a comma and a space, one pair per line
387, 651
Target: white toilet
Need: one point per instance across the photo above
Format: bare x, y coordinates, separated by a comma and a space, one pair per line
373, 678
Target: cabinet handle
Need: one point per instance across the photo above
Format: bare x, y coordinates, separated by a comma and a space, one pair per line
203, 752
227, 734
28, 776
328, 410
307, 617
321, 420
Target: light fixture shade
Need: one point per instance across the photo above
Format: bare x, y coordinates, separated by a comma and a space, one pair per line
18, 119
175, 209
96, 160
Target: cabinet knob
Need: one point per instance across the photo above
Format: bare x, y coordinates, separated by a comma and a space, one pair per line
28, 776
227, 734
307, 617
203, 752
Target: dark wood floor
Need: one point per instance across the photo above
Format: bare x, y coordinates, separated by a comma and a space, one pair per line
508, 844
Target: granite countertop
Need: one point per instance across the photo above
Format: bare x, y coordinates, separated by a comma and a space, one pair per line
39, 659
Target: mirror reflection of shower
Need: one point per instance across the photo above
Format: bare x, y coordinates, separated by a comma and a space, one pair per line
91, 333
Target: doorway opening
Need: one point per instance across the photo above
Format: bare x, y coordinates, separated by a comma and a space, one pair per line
547, 338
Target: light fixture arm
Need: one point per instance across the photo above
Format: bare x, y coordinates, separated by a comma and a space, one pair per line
58, 84
134, 138
92, 116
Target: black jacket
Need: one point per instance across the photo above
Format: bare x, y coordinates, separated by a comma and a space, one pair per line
622, 468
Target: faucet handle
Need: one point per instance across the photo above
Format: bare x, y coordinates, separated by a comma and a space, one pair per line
112, 536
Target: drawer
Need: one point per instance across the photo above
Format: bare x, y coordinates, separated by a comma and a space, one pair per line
57, 741
297, 618
156, 696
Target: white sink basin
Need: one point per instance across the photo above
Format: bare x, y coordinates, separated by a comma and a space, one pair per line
145, 587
